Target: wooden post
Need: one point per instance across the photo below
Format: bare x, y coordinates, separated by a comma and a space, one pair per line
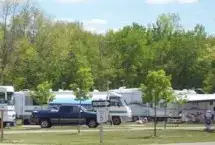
2, 125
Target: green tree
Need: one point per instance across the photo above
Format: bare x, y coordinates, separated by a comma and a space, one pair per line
84, 83
157, 87
209, 82
41, 94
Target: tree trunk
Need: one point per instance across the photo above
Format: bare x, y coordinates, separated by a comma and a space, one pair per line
79, 118
155, 121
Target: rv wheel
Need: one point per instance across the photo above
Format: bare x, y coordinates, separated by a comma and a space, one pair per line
116, 120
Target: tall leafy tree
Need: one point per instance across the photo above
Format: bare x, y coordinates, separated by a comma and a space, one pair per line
157, 87
84, 83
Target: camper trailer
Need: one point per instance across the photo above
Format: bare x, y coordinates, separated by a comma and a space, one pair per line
196, 106
133, 97
193, 110
7, 104
24, 105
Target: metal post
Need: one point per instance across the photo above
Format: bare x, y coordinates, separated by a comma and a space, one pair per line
2, 125
101, 133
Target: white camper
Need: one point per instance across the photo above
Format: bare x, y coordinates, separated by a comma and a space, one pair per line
7, 104
196, 106
133, 97
24, 105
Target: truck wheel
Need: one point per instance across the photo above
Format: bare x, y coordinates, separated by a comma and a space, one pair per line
116, 120
92, 124
45, 123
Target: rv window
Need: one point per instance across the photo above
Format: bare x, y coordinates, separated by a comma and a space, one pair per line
9, 97
12, 101
35, 103
118, 103
2, 97
28, 100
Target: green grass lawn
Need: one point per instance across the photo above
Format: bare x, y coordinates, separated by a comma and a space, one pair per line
112, 138
123, 125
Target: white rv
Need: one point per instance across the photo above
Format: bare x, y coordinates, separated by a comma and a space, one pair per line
7, 104
133, 97
196, 106
24, 105
193, 110
119, 111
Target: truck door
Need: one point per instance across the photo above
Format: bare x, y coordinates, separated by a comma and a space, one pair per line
65, 114
77, 115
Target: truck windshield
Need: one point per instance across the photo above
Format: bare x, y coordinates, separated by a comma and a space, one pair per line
117, 101
9, 100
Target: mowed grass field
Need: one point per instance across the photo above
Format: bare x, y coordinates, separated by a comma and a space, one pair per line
125, 137
123, 125
124, 134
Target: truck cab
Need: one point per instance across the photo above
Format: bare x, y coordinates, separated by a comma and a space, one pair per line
64, 115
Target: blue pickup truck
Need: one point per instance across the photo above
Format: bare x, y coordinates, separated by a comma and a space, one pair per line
64, 115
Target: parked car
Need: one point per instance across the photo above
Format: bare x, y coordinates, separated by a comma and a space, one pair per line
64, 115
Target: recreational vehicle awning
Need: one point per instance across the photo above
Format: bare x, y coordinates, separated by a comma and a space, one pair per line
69, 101
99, 95
200, 97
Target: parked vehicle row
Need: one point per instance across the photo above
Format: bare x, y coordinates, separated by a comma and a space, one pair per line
125, 104
119, 111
